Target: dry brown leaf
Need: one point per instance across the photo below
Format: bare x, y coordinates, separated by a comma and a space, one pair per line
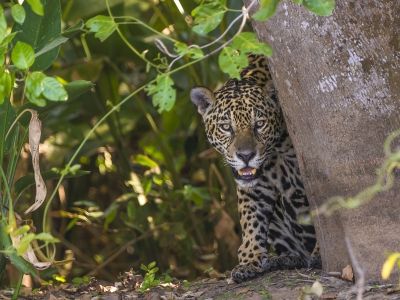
329, 296
347, 273
35, 130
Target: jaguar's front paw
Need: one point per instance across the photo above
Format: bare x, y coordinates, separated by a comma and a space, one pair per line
246, 271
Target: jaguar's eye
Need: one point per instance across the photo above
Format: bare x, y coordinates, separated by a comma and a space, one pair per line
260, 123
226, 127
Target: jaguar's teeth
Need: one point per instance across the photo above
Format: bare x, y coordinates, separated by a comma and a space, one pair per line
247, 172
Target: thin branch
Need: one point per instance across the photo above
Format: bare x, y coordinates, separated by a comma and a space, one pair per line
360, 276
244, 15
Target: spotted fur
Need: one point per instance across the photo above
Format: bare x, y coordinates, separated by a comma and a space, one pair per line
244, 122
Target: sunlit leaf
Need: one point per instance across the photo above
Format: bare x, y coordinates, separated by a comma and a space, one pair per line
23, 55
320, 7
146, 161
164, 95
101, 26
389, 265
232, 61
21, 230
18, 13
53, 90
248, 42
36, 6
46, 237
24, 243
5, 84
208, 15
267, 10
21, 264
3, 24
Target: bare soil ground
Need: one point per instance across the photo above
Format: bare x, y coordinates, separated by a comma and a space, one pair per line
280, 285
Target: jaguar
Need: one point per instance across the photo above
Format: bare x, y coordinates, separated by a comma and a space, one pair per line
244, 122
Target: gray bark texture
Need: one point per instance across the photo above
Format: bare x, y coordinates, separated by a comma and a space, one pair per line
338, 80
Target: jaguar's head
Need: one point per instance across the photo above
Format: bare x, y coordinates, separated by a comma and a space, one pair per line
243, 124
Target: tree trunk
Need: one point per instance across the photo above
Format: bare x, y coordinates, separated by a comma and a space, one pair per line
338, 80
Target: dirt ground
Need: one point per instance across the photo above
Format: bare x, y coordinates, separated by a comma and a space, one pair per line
280, 285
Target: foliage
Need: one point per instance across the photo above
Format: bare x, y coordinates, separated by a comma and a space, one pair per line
389, 264
127, 182
149, 279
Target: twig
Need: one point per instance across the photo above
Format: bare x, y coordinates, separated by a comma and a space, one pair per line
360, 282
244, 15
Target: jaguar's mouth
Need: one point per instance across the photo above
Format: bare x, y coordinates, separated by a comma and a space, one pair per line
246, 174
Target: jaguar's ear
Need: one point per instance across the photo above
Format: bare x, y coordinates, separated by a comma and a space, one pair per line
202, 97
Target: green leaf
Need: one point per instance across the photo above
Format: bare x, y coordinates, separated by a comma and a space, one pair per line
22, 55
320, 7
21, 264
77, 87
164, 95
24, 243
146, 161
247, 42
36, 6
183, 49
232, 61
34, 88
46, 237
53, 90
101, 26
18, 13
267, 10
3, 24
21, 230
39, 31
298, 1
208, 15
5, 84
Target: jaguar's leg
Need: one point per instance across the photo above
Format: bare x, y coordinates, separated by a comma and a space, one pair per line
256, 208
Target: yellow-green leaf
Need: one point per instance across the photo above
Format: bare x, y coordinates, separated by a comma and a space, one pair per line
5, 84
389, 264
23, 55
36, 6
3, 24
18, 13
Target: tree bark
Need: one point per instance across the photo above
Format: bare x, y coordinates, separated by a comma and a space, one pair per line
338, 80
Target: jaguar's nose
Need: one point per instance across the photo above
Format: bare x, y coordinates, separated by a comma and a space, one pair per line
246, 155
